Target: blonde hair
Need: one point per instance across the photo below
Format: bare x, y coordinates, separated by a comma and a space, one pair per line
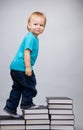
39, 14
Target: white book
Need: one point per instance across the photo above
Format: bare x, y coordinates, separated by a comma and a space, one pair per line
7, 120
37, 127
36, 116
64, 100
62, 122
35, 111
12, 127
60, 111
62, 127
38, 121
60, 106
12, 122
62, 116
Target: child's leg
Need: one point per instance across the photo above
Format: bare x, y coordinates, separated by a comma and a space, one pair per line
24, 85
14, 97
28, 91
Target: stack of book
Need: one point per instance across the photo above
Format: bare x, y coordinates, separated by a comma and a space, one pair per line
36, 118
9, 123
61, 113
57, 115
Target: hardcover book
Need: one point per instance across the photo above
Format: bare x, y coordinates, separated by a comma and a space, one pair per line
62, 116
62, 127
60, 111
36, 116
60, 106
37, 127
7, 120
12, 127
61, 100
36, 111
62, 122
38, 121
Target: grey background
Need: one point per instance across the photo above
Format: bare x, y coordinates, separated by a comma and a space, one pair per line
59, 67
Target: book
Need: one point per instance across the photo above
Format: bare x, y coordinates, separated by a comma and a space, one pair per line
62, 122
38, 121
12, 122
36, 116
36, 111
37, 127
6, 120
62, 116
60, 111
62, 127
62, 100
60, 106
12, 127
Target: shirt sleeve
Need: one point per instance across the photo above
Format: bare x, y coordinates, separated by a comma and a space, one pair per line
29, 43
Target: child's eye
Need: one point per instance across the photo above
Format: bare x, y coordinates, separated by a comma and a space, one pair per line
35, 24
41, 25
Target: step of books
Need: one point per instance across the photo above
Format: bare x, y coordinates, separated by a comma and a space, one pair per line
58, 114
37, 118
61, 113
9, 123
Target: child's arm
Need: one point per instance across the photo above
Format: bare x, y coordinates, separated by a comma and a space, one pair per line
28, 70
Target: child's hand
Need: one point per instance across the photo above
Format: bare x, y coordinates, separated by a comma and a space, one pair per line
28, 71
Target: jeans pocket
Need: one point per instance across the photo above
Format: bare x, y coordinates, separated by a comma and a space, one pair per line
17, 76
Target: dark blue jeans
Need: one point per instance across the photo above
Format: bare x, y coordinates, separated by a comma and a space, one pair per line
24, 88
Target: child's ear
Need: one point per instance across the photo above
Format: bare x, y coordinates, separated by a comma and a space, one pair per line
28, 26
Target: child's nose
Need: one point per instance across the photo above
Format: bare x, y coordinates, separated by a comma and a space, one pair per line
38, 26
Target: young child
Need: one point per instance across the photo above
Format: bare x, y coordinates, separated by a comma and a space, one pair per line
21, 68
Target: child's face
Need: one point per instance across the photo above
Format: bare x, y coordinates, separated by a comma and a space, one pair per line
36, 25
